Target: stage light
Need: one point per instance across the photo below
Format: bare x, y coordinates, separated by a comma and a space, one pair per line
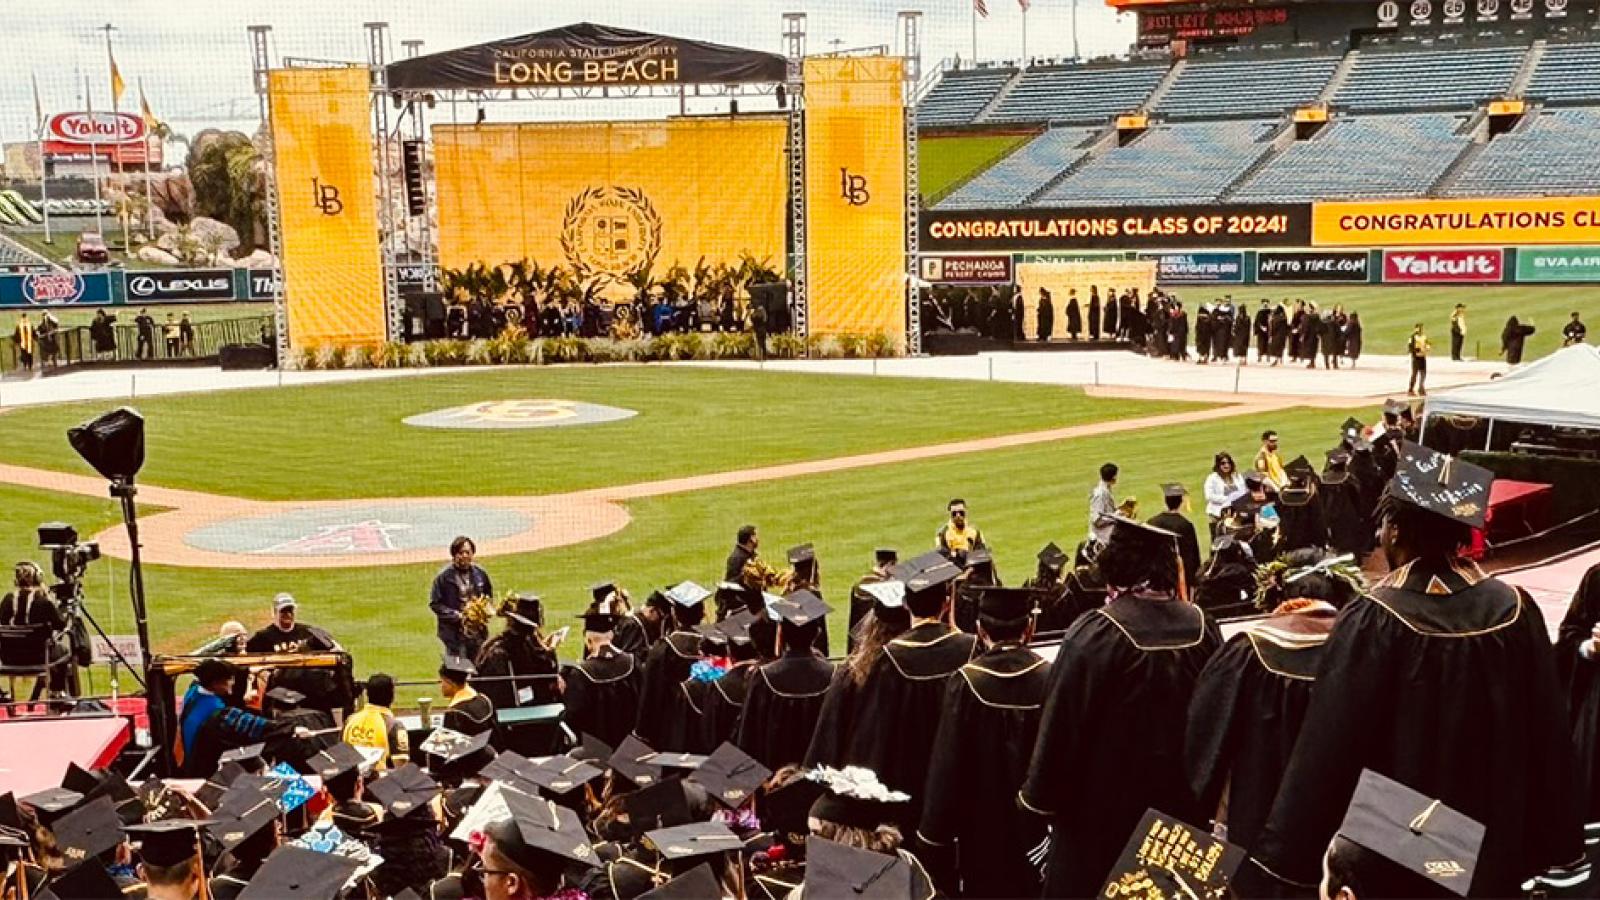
112, 443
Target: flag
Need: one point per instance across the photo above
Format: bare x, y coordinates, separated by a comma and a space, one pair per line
38, 106
117, 84
150, 120
981, 8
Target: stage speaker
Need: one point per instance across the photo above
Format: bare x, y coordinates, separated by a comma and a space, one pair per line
239, 357
425, 316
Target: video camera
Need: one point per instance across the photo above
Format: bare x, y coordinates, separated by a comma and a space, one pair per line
69, 558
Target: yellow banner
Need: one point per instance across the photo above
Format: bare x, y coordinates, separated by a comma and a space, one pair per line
855, 195
328, 206
1064, 280
605, 199
1503, 221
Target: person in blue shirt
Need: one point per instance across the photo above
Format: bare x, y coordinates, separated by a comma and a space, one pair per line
209, 725
456, 586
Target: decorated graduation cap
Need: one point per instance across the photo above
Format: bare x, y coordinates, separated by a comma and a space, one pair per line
1414, 831
888, 597
836, 870
693, 840
457, 669
1441, 484
687, 594
87, 831
736, 627
696, 884
802, 608
629, 761
295, 872
563, 774
855, 796
1053, 557
539, 829
730, 775
458, 758
1166, 857
166, 843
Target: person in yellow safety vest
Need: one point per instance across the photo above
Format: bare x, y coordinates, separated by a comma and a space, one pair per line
959, 537
374, 726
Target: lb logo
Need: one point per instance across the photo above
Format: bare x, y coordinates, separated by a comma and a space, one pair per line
520, 414
612, 231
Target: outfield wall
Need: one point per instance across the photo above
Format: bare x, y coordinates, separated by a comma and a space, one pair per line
139, 287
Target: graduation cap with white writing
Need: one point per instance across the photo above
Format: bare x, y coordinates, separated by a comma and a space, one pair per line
1441, 484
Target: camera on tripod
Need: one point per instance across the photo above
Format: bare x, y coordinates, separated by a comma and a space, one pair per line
69, 558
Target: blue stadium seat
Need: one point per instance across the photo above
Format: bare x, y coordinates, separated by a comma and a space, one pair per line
1441, 77
960, 95
1246, 87
1175, 162
1567, 73
1551, 152
1362, 156
1077, 93
1030, 167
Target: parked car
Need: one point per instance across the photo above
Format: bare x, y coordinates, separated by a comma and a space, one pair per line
92, 248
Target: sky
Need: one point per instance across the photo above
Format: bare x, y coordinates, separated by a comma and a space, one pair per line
193, 56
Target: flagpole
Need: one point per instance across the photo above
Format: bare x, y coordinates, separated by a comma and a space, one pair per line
1024, 35
44, 168
113, 76
1075, 56
974, 34
149, 205
94, 156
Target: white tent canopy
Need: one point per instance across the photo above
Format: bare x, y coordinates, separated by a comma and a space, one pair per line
1562, 389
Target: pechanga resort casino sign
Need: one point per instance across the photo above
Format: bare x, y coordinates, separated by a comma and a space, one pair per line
585, 55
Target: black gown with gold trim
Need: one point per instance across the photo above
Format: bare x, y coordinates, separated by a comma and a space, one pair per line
601, 694
980, 756
1444, 680
781, 707
662, 705
1110, 742
1578, 674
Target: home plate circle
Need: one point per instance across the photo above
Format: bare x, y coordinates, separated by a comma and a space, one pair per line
356, 529
520, 414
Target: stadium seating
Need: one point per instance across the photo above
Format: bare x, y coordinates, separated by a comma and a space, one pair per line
1246, 87
1552, 152
960, 95
1077, 93
1180, 162
1567, 73
12, 254
1439, 78
1362, 156
1013, 179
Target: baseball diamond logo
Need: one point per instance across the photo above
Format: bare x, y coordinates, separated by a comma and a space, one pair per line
490, 414
366, 536
613, 231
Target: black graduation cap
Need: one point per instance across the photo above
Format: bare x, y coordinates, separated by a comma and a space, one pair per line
592, 749
835, 870
1414, 831
1007, 604
605, 590
785, 810
538, 828
932, 578
457, 668
1352, 428
561, 774
286, 698
247, 757
230, 831
88, 881
629, 761
1146, 538
712, 633
337, 760
1441, 484
10, 816
1053, 556
300, 873
52, 803
694, 839
696, 884
1300, 466
658, 600
801, 608
885, 556
674, 759
661, 805
604, 611
1338, 457
210, 794
168, 842
403, 789
730, 775
736, 627
801, 554
1173, 491
912, 566
88, 831
507, 764
105, 783
525, 608
1167, 857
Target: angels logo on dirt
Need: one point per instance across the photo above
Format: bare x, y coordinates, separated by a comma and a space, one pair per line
52, 287
369, 536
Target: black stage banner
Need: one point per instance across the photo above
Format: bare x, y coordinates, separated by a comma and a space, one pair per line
1314, 266
183, 284
585, 55
1118, 228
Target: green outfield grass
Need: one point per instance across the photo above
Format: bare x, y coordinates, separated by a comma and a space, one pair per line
1021, 498
944, 162
198, 312
1389, 313
348, 440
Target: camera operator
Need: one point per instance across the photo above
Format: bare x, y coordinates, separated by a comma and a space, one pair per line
286, 634
29, 604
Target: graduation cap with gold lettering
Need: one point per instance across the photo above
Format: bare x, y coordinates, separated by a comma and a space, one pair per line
232, 829
295, 872
801, 608
1441, 484
562, 774
247, 757
1414, 831
87, 831
693, 839
105, 783
661, 805
167, 843
696, 884
730, 775
403, 790
836, 870
538, 829
784, 811
631, 762
1166, 857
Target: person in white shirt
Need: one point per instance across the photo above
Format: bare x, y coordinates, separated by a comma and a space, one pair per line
1223, 486
1102, 505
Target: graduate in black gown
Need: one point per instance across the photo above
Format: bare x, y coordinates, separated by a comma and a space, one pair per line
860, 600
1277, 335
1252, 696
1113, 315
1301, 523
886, 720
1350, 529
785, 696
980, 756
1178, 333
1111, 739
1578, 662
724, 699
601, 691
1228, 581
1352, 338
1261, 327
1173, 520
1074, 319
1094, 315
637, 630
1241, 335
1441, 678
1046, 315
664, 715
1202, 334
